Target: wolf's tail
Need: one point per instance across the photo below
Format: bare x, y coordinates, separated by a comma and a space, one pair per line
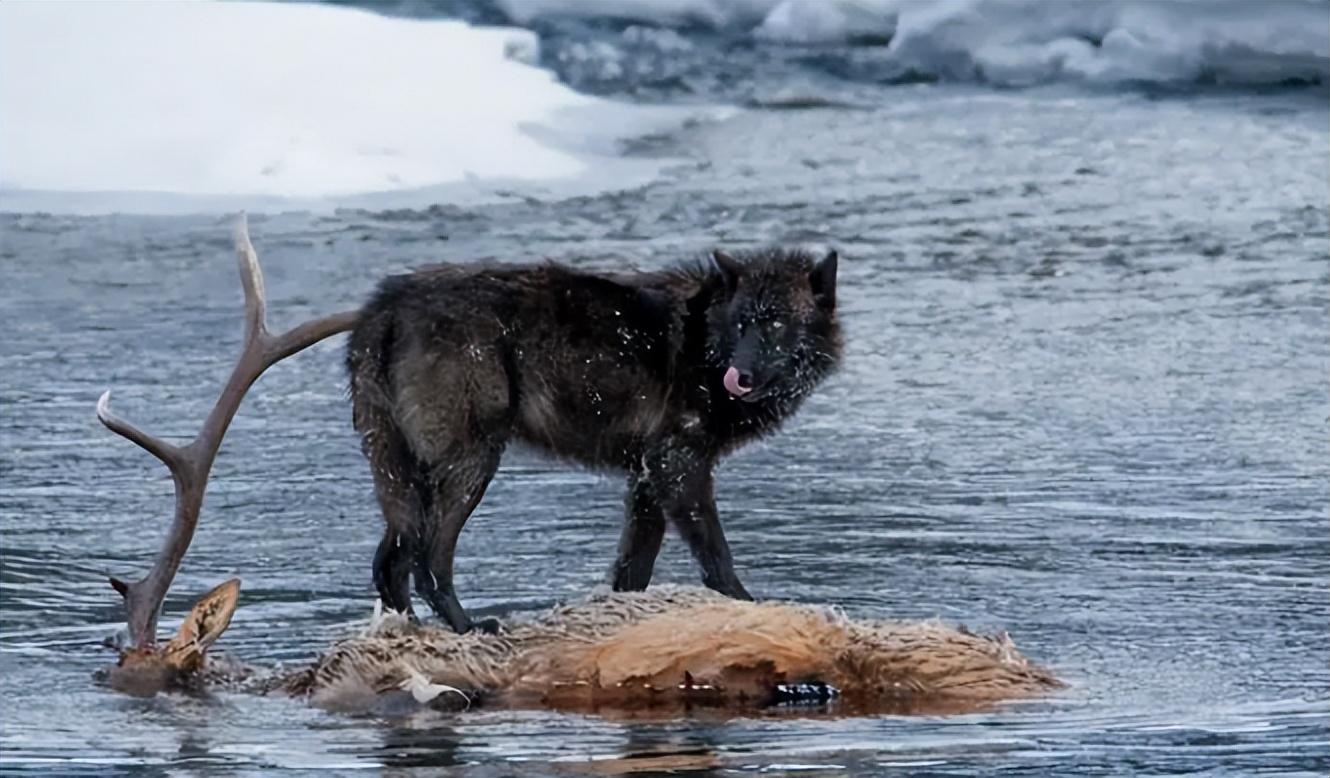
369, 359
369, 354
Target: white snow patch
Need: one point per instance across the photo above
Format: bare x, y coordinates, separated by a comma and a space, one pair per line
286, 101
828, 21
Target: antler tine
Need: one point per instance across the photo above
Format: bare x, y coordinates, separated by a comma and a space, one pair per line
191, 464
303, 335
251, 280
172, 456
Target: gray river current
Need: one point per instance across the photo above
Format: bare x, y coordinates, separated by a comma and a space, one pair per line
1084, 400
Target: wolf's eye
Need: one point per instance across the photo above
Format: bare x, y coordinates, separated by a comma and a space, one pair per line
777, 325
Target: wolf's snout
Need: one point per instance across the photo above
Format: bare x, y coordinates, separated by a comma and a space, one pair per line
738, 382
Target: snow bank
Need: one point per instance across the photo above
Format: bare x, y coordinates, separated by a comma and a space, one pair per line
1017, 42
284, 101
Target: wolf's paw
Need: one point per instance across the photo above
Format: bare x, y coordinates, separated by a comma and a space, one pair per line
489, 626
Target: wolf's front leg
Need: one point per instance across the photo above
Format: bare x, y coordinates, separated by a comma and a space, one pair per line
643, 531
689, 500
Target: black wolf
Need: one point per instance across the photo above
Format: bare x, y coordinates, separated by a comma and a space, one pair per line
657, 375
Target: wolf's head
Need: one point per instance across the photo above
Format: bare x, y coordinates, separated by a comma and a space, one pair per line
773, 330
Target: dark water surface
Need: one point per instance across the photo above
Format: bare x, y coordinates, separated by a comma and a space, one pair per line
1084, 400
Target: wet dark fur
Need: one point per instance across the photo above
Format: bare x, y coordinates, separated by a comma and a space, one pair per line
451, 363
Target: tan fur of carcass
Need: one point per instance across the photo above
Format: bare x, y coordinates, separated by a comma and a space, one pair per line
673, 646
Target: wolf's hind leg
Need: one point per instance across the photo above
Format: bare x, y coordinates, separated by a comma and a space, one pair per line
643, 531
392, 571
397, 480
458, 489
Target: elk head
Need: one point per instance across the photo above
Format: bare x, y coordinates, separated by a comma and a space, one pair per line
144, 671
190, 465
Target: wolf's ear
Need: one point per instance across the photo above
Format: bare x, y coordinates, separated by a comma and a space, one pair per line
823, 280
729, 268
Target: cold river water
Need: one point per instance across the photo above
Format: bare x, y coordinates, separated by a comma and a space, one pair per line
1084, 400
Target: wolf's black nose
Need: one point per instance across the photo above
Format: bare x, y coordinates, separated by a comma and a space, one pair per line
745, 379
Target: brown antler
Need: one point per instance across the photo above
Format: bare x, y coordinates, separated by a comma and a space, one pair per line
190, 464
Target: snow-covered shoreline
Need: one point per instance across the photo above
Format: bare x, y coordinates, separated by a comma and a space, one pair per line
168, 107
1018, 42
134, 105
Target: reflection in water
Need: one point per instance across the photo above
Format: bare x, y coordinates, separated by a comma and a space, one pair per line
428, 743
652, 749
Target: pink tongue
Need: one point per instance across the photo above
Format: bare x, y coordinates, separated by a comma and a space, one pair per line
732, 383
